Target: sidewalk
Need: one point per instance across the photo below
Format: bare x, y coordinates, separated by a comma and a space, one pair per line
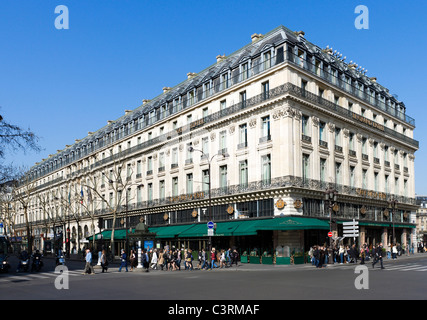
245, 266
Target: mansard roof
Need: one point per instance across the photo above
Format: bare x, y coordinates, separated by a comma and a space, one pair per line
272, 39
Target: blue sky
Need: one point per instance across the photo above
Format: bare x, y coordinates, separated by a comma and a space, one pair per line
64, 83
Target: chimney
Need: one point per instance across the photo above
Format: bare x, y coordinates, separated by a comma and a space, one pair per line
256, 36
190, 75
145, 101
110, 121
166, 89
373, 79
219, 58
128, 111
300, 33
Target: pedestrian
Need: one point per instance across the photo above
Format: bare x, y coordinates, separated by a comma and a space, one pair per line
189, 260
104, 261
123, 261
394, 252
203, 259
145, 260
161, 260
222, 260
133, 260
88, 265
378, 256
341, 253
213, 258
362, 255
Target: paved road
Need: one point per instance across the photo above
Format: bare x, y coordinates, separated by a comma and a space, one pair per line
405, 278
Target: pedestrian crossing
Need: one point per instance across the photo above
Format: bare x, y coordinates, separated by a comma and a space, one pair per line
402, 267
21, 277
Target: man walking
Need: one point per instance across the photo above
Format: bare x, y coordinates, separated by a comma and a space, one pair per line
88, 266
124, 261
378, 256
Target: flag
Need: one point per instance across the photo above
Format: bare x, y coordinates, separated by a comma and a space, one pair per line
81, 195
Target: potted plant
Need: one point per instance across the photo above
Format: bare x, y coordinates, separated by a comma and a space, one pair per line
298, 258
244, 257
266, 258
254, 258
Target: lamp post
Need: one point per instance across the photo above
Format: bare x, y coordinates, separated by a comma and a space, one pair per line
331, 197
392, 204
191, 149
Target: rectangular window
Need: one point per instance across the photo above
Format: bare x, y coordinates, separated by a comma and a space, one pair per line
266, 169
305, 127
243, 173
243, 136
223, 142
305, 166
352, 176
337, 137
205, 177
337, 173
223, 176
243, 98
175, 186
205, 147
174, 157
265, 128
244, 71
265, 90
322, 136
322, 170
364, 179
266, 60
139, 194
150, 192
162, 189
189, 183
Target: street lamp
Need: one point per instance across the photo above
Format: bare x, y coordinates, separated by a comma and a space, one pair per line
392, 204
331, 197
191, 149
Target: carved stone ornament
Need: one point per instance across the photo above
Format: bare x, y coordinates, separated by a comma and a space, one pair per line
230, 209
315, 121
252, 123
280, 204
331, 127
213, 136
232, 129
298, 204
346, 132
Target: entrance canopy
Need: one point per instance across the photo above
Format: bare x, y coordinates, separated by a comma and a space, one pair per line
119, 234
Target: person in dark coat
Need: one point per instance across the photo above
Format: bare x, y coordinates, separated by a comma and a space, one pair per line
378, 256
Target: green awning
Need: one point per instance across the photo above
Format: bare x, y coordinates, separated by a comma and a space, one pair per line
292, 223
385, 224
170, 231
119, 234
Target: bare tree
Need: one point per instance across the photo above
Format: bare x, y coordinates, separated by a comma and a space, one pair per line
117, 184
23, 192
14, 138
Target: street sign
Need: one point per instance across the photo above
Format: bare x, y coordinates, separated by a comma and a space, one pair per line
330, 234
351, 228
210, 232
210, 225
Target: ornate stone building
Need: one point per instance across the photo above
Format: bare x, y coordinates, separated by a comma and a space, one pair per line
267, 130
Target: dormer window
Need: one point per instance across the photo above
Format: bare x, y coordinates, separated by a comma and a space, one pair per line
244, 71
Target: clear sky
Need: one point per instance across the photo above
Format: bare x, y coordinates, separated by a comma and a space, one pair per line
63, 83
